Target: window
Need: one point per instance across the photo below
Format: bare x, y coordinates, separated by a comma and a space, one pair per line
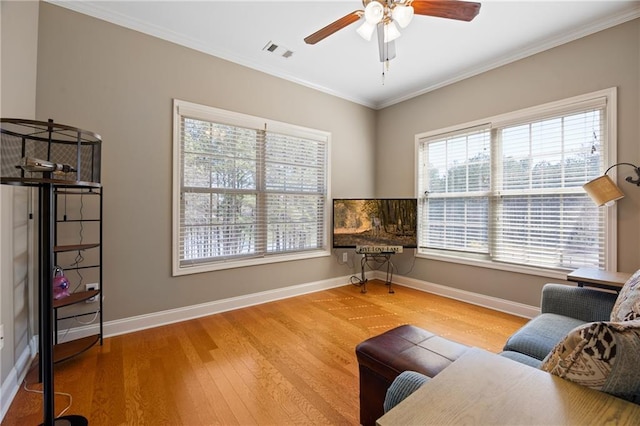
509, 191
246, 190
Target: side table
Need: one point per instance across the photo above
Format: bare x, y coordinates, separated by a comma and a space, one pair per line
592, 277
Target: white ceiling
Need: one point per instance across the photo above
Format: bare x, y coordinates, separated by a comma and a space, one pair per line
431, 53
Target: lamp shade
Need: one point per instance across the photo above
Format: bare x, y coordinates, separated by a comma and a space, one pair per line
402, 15
391, 32
366, 30
603, 191
374, 12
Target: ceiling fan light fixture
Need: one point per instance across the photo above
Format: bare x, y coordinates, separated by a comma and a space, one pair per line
402, 15
381, 16
366, 30
391, 32
374, 12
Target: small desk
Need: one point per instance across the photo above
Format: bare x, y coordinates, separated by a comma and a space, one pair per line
481, 388
592, 277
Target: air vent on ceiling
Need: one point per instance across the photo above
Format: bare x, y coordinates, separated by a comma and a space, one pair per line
278, 50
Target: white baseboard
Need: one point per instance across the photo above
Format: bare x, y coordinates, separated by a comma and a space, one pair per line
494, 303
12, 383
156, 319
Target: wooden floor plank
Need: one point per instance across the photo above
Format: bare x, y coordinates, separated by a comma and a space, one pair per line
290, 361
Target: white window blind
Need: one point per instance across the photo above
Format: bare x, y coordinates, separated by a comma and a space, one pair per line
511, 192
456, 185
544, 217
244, 192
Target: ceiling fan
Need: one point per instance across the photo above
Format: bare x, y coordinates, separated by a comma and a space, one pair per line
382, 15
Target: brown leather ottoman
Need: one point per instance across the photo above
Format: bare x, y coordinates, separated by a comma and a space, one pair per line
382, 358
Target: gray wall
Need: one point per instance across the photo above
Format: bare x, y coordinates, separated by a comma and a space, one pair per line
120, 84
19, 25
605, 59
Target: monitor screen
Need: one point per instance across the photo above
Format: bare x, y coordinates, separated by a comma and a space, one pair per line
375, 222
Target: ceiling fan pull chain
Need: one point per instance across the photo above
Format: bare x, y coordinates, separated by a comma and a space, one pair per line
385, 69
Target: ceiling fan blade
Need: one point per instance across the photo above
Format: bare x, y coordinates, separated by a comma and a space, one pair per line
452, 9
333, 27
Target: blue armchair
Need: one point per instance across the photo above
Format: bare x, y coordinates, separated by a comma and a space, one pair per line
563, 308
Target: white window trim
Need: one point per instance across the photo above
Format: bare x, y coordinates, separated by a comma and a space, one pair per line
610, 158
215, 114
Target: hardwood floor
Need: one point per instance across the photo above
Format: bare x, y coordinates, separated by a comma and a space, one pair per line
284, 362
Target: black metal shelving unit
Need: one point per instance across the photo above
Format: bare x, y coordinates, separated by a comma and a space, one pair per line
52, 157
66, 350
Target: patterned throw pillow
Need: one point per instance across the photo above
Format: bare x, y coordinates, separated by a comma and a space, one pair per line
627, 306
602, 356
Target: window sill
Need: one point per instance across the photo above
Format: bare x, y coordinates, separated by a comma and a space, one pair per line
558, 274
242, 263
